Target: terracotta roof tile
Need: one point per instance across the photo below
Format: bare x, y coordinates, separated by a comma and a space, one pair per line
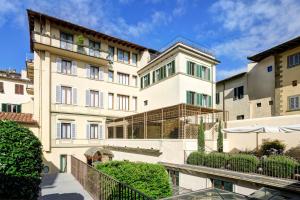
18, 117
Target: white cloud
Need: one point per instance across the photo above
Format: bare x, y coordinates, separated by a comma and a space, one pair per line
99, 15
256, 24
180, 8
225, 73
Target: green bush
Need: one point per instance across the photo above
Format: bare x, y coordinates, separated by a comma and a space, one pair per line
196, 158
216, 160
243, 162
279, 166
273, 144
20, 162
151, 179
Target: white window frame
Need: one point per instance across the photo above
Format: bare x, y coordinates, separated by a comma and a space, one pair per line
66, 98
94, 98
110, 101
123, 102
294, 102
123, 78
94, 72
111, 76
94, 130
67, 127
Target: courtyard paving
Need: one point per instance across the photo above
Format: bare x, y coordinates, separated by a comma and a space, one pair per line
62, 186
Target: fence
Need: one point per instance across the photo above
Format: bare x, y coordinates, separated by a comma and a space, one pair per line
101, 186
273, 166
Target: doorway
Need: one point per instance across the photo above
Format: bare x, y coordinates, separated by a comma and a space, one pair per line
63, 163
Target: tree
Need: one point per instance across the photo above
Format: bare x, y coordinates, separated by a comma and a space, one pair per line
201, 137
20, 162
220, 138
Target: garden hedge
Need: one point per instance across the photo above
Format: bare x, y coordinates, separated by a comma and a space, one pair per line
151, 179
243, 162
216, 160
20, 162
279, 166
196, 158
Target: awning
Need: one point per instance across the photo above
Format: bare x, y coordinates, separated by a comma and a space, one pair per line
264, 129
93, 150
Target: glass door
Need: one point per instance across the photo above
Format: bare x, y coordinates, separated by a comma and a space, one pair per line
63, 163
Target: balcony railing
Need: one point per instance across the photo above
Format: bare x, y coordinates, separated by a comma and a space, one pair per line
69, 45
101, 186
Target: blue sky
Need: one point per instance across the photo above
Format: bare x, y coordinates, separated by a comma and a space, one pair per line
231, 29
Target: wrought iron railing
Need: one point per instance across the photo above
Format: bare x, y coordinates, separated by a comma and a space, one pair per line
101, 186
280, 166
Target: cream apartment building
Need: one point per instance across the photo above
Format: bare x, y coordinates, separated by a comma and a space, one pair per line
84, 79
268, 88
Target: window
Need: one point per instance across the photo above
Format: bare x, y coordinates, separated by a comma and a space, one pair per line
160, 73
123, 102
15, 108
294, 83
1, 87
218, 98
145, 102
134, 103
110, 101
66, 41
190, 97
223, 185
134, 81
134, 59
240, 117
258, 105
269, 69
190, 68
65, 131
111, 52
94, 131
238, 93
123, 56
66, 67
19, 89
94, 48
270, 103
111, 76
94, 98
123, 78
94, 72
145, 81
293, 60
171, 68
66, 95
198, 70
294, 103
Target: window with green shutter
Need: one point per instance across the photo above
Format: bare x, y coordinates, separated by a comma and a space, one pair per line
190, 97
19, 109
209, 102
4, 107
198, 71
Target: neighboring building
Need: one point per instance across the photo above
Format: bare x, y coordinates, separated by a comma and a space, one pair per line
285, 59
14, 96
181, 74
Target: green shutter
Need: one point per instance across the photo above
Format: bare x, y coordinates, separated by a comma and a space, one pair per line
209, 101
173, 67
19, 109
187, 97
142, 82
198, 70
153, 76
200, 99
187, 67
202, 72
208, 74
4, 107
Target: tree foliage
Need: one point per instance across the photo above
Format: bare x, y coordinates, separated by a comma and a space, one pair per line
20, 162
220, 138
201, 137
151, 179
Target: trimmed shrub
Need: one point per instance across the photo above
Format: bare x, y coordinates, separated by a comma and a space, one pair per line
268, 147
196, 158
279, 166
201, 137
151, 179
243, 162
220, 138
20, 162
216, 160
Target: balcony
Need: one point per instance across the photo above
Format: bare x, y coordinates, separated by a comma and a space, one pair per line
68, 49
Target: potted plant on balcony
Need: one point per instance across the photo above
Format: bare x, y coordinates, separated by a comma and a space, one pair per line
79, 42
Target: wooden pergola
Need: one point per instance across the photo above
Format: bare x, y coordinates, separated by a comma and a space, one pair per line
173, 122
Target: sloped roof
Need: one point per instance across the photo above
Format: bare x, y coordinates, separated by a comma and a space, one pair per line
25, 118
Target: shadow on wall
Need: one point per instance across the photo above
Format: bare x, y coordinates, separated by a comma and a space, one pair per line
66, 196
52, 169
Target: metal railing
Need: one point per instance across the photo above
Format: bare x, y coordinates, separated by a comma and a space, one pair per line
279, 167
101, 186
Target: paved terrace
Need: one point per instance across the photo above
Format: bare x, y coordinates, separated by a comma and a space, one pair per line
62, 186
286, 184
